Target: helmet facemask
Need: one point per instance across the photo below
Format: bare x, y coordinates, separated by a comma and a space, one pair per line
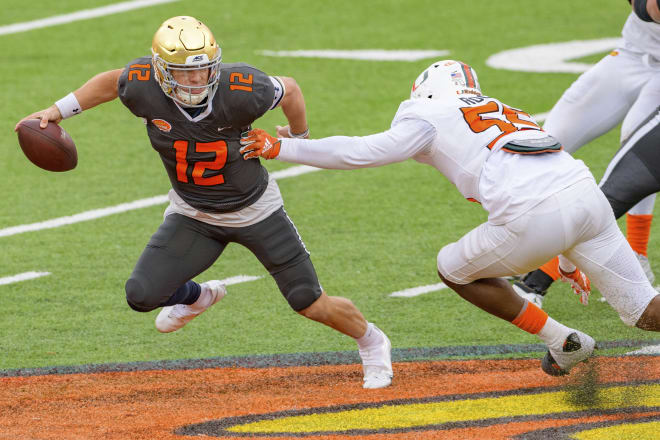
189, 95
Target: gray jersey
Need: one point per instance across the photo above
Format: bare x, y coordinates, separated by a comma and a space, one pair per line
201, 153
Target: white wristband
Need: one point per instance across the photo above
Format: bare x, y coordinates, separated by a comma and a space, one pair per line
303, 135
69, 106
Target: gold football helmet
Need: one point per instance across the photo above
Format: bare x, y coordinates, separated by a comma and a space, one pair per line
185, 43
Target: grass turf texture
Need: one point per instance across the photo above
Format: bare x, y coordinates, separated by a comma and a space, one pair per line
370, 232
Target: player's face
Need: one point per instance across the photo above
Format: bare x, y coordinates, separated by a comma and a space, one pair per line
195, 78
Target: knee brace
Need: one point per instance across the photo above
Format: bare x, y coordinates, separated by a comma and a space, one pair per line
299, 284
302, 294
137, 297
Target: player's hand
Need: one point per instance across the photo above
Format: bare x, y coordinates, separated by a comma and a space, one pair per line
258, 143
285, 132
282, 131
579, 282
51, 114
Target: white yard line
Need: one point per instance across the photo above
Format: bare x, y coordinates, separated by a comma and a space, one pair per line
362, 55
416, 291
85, 14
22, 277
651, 349
124, 207
237, 279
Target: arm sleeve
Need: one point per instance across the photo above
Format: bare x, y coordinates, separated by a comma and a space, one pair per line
403, 141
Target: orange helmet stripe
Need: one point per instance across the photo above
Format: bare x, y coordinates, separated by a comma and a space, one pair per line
469, 78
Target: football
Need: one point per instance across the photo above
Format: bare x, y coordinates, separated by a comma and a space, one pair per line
50, 148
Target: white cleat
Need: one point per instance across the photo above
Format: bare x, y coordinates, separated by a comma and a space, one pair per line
377, 363
577, 348
172, 318
644, 262
527, 293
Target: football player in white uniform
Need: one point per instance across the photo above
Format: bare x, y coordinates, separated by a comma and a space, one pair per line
623, 86
498, 156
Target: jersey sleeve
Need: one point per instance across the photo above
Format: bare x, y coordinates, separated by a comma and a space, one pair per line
247, 92
397, 144
134, 85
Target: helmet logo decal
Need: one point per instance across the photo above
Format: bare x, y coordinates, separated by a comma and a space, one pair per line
426, 75
162, 125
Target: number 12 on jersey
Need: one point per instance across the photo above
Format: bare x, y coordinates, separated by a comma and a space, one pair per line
217, 147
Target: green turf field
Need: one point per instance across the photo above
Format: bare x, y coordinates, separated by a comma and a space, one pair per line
370, 232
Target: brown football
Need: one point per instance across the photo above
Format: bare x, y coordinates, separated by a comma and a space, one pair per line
50, 148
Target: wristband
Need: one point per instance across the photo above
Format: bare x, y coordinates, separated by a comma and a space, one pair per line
69, 106
303, 135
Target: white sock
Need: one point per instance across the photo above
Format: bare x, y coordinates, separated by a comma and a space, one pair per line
554, 333
371, 337
203, 301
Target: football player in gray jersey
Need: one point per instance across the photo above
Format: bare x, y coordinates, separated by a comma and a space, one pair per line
195, 109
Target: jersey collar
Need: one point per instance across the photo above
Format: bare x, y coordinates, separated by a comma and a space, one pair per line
200, 116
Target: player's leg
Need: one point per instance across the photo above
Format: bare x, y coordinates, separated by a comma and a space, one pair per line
598, 100
594, 104
277, 244
638, 232
473, 266
640, 216
180, 249
605, 256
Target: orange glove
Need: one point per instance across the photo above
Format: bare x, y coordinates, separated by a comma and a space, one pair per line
258, 143
579, 282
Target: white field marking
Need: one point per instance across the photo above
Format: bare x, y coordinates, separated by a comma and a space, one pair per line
364, 55
553, 57
416, 291
85, 14
124, 207
651, 349
239, 279
22, 277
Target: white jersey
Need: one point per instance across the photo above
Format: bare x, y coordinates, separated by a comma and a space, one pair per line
470, 140
641, 35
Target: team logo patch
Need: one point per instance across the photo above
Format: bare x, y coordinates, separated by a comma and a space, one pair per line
162, 125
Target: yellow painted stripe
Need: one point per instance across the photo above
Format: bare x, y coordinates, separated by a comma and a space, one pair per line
421, 414
632, 431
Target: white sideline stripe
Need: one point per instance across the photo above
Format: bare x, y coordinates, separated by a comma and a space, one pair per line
22, 277
239, 279
130, 206
416, 291
85, 14
651, 349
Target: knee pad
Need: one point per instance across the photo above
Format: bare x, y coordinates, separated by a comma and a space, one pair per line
302, 294
299, 284
137, 297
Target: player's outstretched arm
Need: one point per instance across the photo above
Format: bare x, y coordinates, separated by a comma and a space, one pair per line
403, 141
101, 88
293, 107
